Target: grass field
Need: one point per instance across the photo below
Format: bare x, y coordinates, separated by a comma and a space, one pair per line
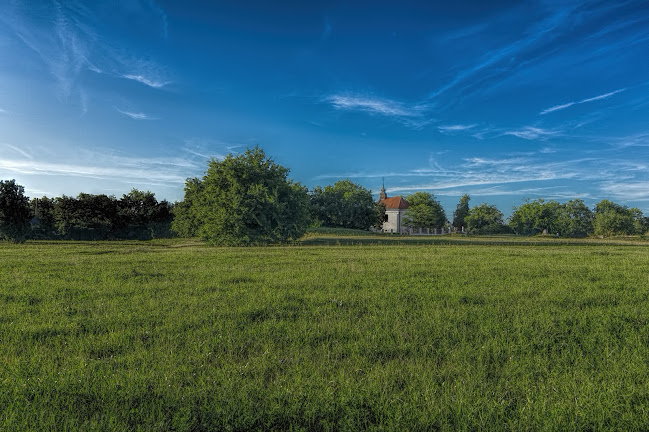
451, 334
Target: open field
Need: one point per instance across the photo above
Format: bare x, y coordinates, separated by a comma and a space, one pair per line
420, 334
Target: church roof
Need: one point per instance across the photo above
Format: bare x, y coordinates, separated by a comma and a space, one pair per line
395, 203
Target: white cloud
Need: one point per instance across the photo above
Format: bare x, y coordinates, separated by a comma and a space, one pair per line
628, 191
136, 115
146, 80
533, 133
411, 115
592, 99
18, 150
455, 128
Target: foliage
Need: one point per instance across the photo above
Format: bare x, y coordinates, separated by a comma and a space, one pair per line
575, 219
343, 205
14, 212
485, 219
461, 212
424, 211
571, 219
244, 200
164, 335
615, 219
186, 221
137, 215
380, 216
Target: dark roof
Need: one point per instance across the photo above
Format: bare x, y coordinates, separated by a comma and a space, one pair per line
395, 203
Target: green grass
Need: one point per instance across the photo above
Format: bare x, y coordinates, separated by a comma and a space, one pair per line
173, 335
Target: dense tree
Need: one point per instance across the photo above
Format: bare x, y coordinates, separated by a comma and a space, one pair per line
344, 205
14, 212
141, 216
379, 216
575, 219
424, 211
615, 219
186, 220
461, 212
536, 216
243, 200
44, 222
486, 219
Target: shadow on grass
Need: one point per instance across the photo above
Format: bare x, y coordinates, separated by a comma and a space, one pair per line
504, 240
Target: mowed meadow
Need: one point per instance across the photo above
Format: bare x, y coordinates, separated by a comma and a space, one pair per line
427, 335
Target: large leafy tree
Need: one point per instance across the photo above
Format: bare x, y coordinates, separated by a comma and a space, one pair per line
575, 219
14, 212
344, 205
536, 216
424, 211
461, 212
485, 219
614, 219
243, 200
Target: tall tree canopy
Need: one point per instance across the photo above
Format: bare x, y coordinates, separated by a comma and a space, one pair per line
615, 219
485, 219
461, 212
14, 212
344, 205
243, 200
424, 211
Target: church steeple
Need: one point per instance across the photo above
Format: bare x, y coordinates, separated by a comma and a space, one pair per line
383, 195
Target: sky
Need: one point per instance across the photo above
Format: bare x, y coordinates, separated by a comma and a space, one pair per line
501, 100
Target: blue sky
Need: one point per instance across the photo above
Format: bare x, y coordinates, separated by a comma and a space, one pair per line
503, 100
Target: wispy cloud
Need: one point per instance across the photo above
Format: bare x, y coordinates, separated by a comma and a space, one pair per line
546, 29
455, 128
412, 115
533, 133
627, 191
146, 81
22, 152
591, 99
136, 115
68, 42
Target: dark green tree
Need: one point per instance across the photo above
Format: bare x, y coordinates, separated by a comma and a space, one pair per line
614, 219
344, 205
575, 219
141, 216
44, 222
245, 200
461, 212
186, 220
424, 211
534, 217
379, 216
15, 214
486, 219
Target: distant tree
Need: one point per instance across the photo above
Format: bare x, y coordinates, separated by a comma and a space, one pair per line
345, 205
575, 219
424, 211
44, 222
615, 219
486, 219
536, 216
141, 216
379, 216
243, 200
14, 212
461, 212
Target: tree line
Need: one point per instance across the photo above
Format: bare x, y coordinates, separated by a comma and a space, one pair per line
136, 215
248, 199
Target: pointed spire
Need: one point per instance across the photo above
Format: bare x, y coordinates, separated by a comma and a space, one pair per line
383, 195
